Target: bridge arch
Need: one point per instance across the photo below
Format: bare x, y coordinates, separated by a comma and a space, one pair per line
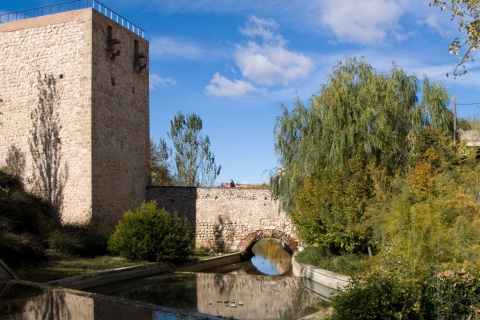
228, 219
249, 241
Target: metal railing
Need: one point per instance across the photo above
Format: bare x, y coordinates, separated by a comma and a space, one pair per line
70, 6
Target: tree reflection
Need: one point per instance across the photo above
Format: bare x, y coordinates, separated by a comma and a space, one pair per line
270, 257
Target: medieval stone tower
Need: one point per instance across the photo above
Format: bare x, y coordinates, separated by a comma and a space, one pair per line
74, 122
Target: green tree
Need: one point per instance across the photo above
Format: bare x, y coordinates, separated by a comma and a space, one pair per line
193, 162
360, 122
160, 170
467, 15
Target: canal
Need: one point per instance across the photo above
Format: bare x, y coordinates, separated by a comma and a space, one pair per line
261, 288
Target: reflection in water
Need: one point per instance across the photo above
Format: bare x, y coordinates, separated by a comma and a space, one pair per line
243, 291
21, 300
226, 295
270, 257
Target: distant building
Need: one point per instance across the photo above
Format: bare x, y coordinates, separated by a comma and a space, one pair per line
471, 137
86, 149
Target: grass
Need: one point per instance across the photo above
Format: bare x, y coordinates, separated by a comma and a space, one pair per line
58, 265
346, 264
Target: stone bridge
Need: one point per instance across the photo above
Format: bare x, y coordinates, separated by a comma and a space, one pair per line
228, 219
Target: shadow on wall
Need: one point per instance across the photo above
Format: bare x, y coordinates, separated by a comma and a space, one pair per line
180, 200
50, 171
222, 234
15, 162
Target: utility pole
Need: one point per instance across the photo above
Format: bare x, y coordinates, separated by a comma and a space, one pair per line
454, 119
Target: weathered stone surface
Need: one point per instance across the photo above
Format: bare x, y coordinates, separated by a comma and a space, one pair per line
228, 219
102, 107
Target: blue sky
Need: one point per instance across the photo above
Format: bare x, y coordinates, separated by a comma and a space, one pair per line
234, 62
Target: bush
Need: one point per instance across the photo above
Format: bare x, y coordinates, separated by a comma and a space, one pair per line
451, 295
20, 249
79, 240
378, 296
151, 234
21, 212
384, 295
8, 181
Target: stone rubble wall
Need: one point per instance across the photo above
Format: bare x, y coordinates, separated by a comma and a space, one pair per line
222, 218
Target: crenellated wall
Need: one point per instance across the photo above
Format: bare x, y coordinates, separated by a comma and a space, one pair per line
227, 219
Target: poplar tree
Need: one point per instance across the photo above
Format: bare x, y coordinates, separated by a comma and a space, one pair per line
193, 162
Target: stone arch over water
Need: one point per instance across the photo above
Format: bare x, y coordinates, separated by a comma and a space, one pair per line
249, 241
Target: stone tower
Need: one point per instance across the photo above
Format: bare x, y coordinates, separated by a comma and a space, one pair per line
74, 116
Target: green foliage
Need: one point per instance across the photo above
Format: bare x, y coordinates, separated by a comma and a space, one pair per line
346, 263
448, 295
432, 222
338, 157
193, 162
22, 213
20, 249
331, 208
10, 182
160, 170
467, 15
150, 233
77, 240
451, 295
379, 296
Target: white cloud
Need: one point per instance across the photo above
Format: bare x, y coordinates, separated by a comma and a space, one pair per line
270, 62
157, 81
267, 63
221, 86
272, 65
362, 21
265, 28
161, 47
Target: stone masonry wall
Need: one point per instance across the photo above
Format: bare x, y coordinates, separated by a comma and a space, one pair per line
101, 112
120, 121
58, 46
223, 218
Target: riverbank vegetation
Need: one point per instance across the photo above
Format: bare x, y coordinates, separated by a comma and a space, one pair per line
151, 233
39, 248
370, 170
29, 227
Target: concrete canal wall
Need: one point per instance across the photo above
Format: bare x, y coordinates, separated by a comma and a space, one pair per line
323, 282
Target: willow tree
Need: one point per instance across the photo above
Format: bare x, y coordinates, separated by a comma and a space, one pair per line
361, 121
193, 162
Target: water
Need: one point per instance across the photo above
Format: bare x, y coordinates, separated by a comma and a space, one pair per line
239, 296
262, 288
246, 290
271, 258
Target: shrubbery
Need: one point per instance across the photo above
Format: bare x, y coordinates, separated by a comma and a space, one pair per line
378, 296
386, 295
20, 249
151, 234
344, 263
28, 227
77, 240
